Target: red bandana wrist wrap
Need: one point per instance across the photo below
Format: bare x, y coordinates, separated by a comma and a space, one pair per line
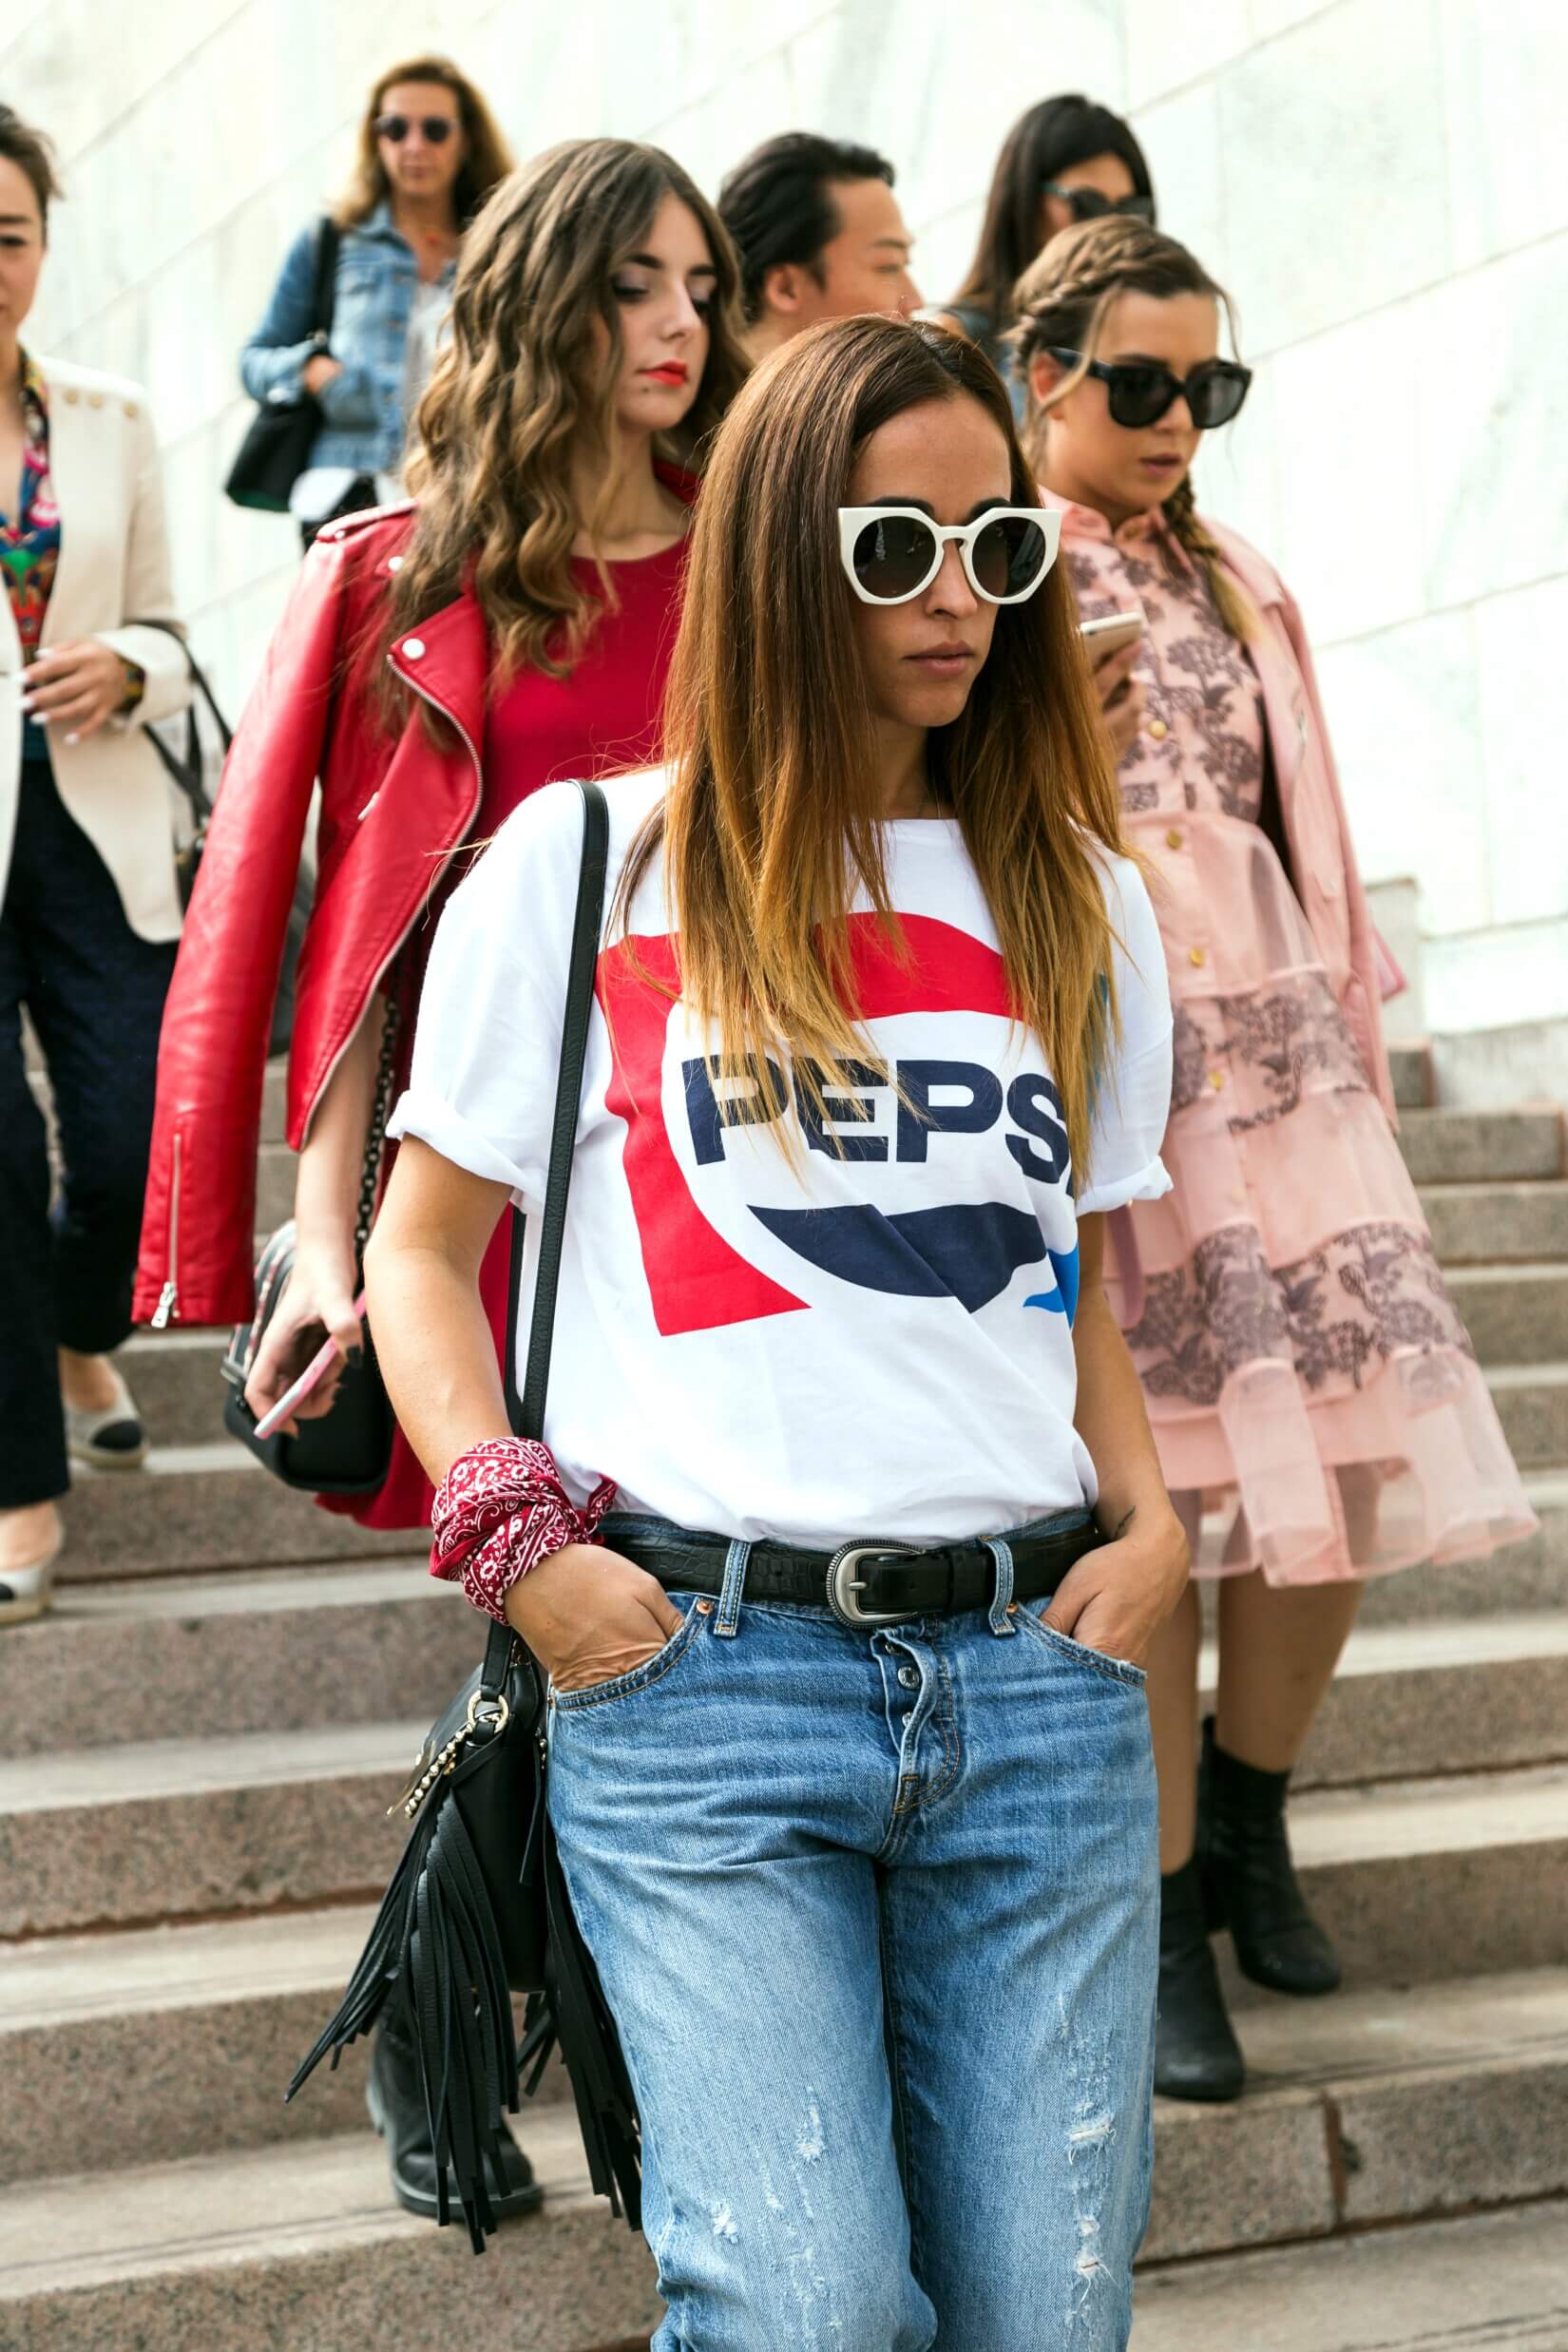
499, 1511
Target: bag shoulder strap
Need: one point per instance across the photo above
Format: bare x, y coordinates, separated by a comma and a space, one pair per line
527, 1413
324, 299
187, 772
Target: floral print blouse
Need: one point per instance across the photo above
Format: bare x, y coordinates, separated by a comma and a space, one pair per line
30, 539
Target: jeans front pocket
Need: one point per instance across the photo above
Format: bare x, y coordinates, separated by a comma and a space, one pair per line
1099, 1662
643, 1678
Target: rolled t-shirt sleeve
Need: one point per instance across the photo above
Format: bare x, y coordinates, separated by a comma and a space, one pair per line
487, 1049
1133, 1097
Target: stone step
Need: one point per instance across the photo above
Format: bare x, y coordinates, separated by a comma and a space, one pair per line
1420, 1881
1471, 1147
188, 1657
273, 1096
199, 2030
1410, 1067
300, 2246
1417, 1879
188, 1829
1483, 1223
1366, 2110
1426, 1700
1532, 1575
274, 1174
1515, 1314
197, 1507
1532, 1401
1490, 2283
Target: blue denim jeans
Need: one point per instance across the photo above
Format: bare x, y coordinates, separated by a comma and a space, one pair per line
877, 1913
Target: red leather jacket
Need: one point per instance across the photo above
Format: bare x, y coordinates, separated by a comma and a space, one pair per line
395, 806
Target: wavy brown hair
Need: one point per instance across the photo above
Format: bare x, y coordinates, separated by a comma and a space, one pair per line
485, 163
1062, 299
771, 819
527, 381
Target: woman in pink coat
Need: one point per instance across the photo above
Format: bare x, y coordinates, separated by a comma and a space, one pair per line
1307, 1375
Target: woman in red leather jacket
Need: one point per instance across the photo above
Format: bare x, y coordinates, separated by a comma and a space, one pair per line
436, 664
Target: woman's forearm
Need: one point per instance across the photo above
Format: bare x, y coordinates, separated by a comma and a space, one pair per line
1110, 1416
1111, 1421
326, 1191
432, 1338
436, 1352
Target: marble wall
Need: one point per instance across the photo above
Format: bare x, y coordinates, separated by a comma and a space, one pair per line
1381, 183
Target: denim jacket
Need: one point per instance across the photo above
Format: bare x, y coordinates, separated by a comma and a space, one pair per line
363, 407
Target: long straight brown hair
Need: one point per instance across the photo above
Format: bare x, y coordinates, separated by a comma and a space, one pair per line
771, 819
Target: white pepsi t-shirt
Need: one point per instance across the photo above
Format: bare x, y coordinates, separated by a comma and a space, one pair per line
872, 1341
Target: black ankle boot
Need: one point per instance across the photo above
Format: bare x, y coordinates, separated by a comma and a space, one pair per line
1250, 1883
1196, 2054
397, 2101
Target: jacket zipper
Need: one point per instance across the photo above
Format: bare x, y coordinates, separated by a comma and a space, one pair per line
168, 1298
391, 952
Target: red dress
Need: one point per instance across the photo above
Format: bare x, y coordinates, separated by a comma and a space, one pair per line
601, 719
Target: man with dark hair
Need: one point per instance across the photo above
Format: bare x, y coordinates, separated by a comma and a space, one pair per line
819, 234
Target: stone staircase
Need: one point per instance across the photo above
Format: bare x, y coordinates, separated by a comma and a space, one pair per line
196, 1751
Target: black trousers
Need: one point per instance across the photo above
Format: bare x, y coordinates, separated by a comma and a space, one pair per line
94, 993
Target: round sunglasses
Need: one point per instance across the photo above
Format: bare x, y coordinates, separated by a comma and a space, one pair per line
1089, 204
1141, 390
437, 128
890, 553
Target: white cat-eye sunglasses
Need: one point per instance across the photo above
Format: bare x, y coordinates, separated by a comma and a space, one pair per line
893, 553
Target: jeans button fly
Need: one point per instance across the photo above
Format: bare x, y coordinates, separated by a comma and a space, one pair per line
908, 1678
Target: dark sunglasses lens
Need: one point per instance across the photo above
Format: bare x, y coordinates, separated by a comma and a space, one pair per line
392, 126
1010, 556
892, 556
1088, 204
1215, 399
437, 128
1138, 207
1141, 395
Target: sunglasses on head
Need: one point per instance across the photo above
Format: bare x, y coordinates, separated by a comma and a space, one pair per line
1141, 390
892, 553
1089, 204
437, 128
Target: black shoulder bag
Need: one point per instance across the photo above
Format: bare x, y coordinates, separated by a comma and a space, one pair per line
477, 1909
347, 1450
188, 772
278, 442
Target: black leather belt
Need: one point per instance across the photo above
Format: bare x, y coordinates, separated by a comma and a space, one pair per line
865, 1583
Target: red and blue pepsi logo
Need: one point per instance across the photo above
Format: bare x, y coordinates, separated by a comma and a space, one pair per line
708, 1178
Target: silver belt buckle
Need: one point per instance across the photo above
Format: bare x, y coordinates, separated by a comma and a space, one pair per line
843, 1583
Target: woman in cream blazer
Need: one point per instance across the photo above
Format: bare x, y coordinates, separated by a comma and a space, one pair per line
89, 908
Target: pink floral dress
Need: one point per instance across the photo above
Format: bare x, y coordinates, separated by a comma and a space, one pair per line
1302, 1364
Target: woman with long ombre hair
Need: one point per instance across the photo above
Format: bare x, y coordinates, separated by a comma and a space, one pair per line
1309, 1379
436, 664
849, 1760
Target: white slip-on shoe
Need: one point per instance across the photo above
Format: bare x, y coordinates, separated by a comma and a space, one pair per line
111, 1439
29, 1592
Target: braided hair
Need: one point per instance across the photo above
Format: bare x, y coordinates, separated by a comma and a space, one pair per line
1061, 300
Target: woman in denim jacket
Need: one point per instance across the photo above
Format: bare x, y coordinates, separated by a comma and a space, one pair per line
429, 156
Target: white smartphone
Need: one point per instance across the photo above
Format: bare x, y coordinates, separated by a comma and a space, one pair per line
1109, 635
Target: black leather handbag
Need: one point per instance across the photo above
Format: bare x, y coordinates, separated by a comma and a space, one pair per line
187, 771
477, 1909
348, 1451
276, 448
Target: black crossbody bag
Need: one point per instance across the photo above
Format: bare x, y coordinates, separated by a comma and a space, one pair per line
477, 1909
276, 448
